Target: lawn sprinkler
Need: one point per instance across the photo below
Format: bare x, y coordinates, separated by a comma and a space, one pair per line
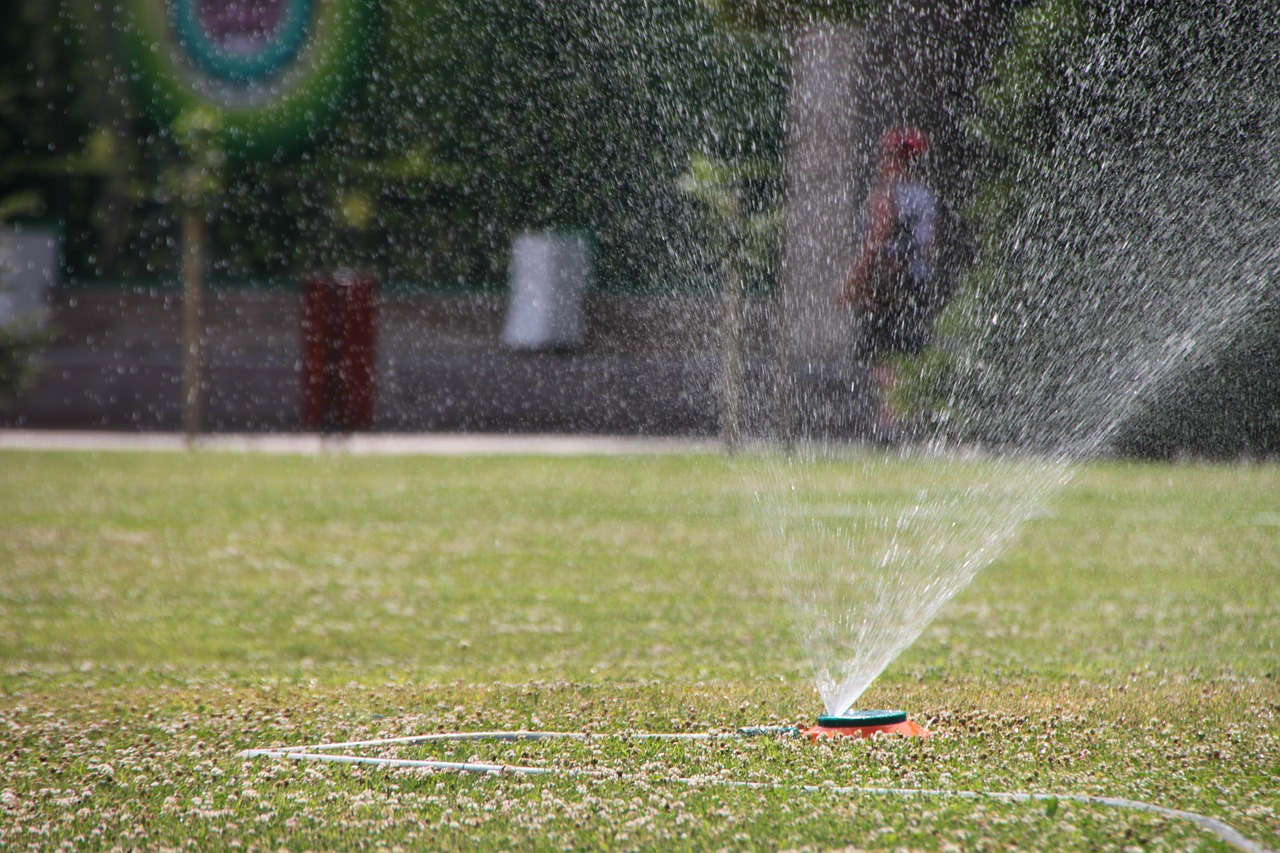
864, 724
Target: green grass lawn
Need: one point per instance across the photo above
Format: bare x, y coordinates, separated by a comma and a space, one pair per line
159, 613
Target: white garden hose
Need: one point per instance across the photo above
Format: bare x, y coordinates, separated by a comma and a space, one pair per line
326, 752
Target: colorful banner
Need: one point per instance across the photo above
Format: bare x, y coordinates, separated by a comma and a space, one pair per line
272, 70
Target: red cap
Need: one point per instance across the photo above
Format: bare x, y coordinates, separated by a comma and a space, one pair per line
905, 142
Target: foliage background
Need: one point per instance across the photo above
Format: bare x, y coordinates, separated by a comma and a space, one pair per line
477, 119
473, 121
1123, 182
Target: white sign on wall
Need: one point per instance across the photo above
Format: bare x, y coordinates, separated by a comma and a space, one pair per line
28, 272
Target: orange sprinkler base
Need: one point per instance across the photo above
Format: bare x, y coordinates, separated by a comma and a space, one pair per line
902, 726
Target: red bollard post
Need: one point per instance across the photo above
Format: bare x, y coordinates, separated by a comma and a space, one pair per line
339, 347
315, 350
357, 306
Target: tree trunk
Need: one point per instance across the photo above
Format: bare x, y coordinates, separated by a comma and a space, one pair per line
192, 322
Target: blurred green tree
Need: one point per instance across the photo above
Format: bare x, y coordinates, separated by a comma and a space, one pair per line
65, 128
507, 115
472, 121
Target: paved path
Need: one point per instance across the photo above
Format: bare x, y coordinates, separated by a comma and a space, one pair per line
438, 444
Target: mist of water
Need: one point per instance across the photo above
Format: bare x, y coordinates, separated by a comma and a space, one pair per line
1143, 244
872, 545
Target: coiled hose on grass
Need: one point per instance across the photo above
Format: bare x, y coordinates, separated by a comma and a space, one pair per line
329, 753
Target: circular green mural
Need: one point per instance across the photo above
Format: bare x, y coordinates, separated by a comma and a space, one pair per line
272, 70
